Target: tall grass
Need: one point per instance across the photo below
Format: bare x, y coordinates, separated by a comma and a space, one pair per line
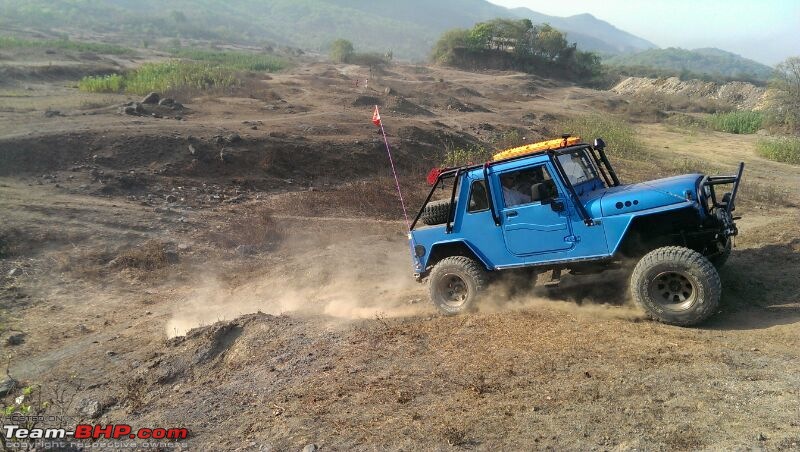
617, 134
780, 149
246, 61
739, 122
163, 77
112, 83
9, 42
178, 75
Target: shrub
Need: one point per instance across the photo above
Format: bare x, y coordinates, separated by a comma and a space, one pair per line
739, 122
780, 149
618, 135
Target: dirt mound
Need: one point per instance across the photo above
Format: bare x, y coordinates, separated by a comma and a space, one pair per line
742, 95
404, 106
365, 101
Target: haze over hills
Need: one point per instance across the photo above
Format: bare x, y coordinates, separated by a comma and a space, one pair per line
698, 61
409, 28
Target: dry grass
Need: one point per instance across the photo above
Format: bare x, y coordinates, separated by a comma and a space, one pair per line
150, 255
374, 198
255, 228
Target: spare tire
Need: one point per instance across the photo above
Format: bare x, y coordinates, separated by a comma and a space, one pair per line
436, 212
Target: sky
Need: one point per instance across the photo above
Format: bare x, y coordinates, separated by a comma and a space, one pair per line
767, 31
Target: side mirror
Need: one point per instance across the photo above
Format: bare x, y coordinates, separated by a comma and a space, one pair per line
556, 205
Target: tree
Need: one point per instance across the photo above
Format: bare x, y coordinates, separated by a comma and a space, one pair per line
341, 51
444, 50
548, 42
784, 94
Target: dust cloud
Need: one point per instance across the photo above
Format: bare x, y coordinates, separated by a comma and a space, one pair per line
359, 274
358, 278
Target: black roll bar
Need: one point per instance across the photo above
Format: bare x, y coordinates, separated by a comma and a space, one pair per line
578, 205
448, 227
495, 216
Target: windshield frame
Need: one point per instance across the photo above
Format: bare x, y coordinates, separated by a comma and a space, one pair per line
586, 162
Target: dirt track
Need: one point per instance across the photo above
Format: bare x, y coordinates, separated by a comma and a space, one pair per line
346, 352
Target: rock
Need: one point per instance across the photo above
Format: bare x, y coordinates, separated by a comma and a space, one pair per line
15, 339
90, 408
7, 384
311, 448
151, 98
246, 250
184, 247
171, 256
16, 271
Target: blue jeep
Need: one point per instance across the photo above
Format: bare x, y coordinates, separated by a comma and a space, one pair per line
564, 209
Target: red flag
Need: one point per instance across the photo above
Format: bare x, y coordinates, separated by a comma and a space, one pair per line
376, 117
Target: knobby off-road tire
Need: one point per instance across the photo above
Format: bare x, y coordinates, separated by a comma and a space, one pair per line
436, 212
718, 260
456, 283
676, 285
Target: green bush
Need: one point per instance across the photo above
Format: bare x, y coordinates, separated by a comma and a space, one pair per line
740, 122
8, 42
618, 135
780, 149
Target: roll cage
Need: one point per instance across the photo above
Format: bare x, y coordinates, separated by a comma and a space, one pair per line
596, 153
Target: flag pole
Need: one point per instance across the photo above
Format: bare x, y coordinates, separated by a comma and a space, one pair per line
376, 119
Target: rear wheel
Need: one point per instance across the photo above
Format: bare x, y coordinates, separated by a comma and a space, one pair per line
455, 284
676, 285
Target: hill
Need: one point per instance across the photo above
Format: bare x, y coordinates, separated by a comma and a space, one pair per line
407, 28
708, 61
590, 33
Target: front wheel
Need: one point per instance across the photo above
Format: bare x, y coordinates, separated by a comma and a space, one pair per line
455, 284
676, 285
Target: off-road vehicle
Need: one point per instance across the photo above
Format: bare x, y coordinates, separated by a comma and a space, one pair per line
559, 206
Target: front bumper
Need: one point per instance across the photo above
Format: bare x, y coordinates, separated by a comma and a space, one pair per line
721, 208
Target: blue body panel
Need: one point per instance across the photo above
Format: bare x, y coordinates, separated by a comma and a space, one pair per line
534, 234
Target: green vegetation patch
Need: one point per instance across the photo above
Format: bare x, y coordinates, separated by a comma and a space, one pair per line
245, 61
112, 83
8, 42
618, 134
163, 77
780, 149
739, 122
